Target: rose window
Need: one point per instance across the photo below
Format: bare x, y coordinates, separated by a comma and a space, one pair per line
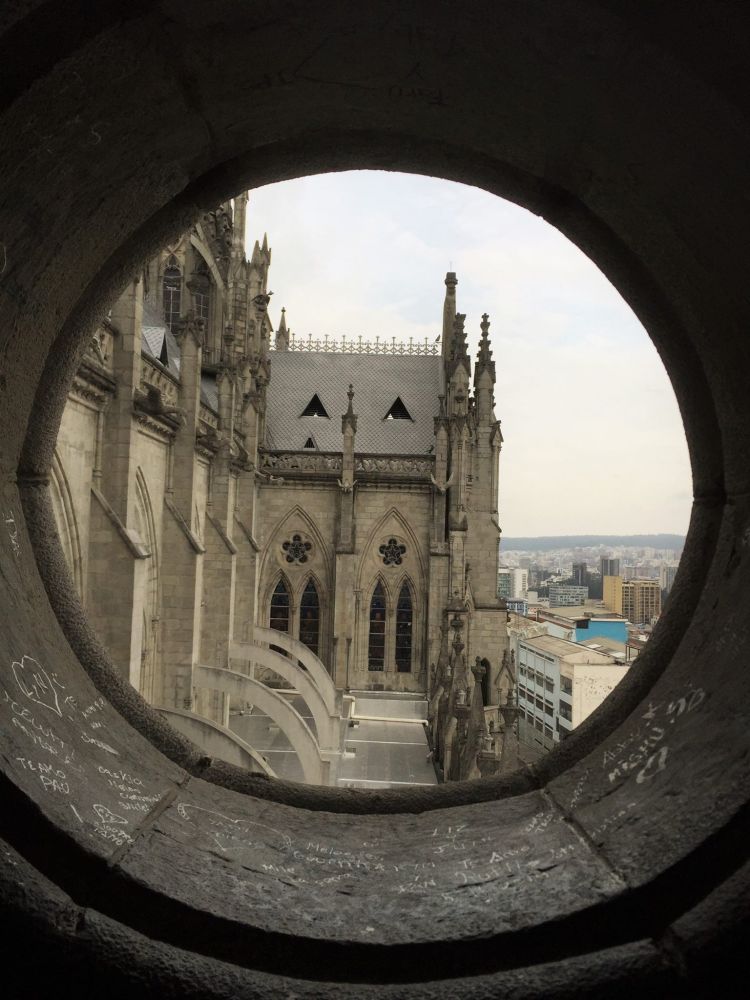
296, 550
392, 552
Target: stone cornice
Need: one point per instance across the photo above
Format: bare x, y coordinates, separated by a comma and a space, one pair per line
162, 427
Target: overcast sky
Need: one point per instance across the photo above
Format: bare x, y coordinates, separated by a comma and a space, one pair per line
593, 438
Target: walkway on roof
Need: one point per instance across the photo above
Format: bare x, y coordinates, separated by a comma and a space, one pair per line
386, 745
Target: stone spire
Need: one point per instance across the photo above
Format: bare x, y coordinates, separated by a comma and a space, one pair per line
449, 313
509, 757
484, 355
346, 483
484, 379
238, 225
282, 334
349, 419
459, 350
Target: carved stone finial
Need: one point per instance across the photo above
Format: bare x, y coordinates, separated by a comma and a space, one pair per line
484, 355
349, 419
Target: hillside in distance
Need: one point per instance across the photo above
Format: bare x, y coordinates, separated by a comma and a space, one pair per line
544, 543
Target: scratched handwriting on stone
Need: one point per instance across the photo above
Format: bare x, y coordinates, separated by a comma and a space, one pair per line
52, 778
234, 834
99, 743
12, 527
107, 816
645, 750
36, 683
39, 733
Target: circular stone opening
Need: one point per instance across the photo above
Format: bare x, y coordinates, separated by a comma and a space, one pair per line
658, 797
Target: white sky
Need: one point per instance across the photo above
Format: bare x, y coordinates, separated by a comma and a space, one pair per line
593, 438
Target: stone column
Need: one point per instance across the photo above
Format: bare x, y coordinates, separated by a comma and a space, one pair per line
183, 570
117, 554
345, 613
219, 561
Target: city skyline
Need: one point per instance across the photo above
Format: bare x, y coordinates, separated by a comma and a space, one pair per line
593, 438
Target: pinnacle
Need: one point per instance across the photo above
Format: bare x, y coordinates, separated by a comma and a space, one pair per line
484, 355
459, 337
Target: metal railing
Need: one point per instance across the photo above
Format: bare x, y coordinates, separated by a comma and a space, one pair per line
357, 345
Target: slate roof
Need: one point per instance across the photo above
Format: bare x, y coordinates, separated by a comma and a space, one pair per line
154, 331
377, 379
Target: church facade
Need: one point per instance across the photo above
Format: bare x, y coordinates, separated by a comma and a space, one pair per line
213, 476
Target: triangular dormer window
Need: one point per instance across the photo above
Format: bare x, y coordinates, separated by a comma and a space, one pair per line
314, 408
398, 411
310, 444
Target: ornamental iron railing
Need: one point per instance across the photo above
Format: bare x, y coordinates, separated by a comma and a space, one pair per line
357, 345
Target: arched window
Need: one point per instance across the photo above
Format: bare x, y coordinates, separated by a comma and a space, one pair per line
200, 286
280, 608
404, 618
376, 644
309, 618
172, 286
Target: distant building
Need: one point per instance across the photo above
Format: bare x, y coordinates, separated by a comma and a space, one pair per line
579, 625
612, 593
567, 595
504, 583
666, 577
512, 583
580, 575
560, 683
519, 606
609, 566
641, 600
520, 584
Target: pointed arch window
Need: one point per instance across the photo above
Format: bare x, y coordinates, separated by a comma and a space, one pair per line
376, 643
172, 291
280, 611
314, 408
309, 617
398, 411
200, 286
404, 628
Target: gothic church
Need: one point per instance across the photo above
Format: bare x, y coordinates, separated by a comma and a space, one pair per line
215, 477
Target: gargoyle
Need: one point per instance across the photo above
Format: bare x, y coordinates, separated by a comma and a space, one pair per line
267, 478
96, 347
442, 490
152, 402
210, 439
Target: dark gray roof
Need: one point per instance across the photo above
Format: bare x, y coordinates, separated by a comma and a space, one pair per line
154, 332
377, 379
